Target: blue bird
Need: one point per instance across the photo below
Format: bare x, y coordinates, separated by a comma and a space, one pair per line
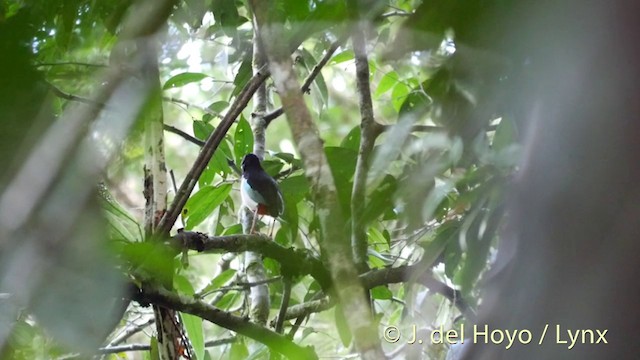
259, 191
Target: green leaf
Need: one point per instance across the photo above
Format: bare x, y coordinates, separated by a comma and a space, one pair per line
219, 280
242, 77
505, 134
218, 106
238, 351
398, 95
343, 328
272, 167
388, 81
193, 325
478, 245
352, 140
283, 236
381, 292
123, 225
447, 232
342, 162
154, 352
218, 165
243, 139
233, 230
202, 129
152, 259
201, 204
380, 200
415, 102
295, 188
183, 79
342, 57
226, 14
228, 300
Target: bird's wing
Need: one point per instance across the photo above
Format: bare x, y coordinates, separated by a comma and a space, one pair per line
263, 189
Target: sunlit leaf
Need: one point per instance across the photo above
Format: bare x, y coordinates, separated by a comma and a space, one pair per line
388, 81
352, 140
243, 139
238, 351
381, 293
203, 203
343, 327
242, 77
219, 280
342, 57
202, 129
183, 79
398, 95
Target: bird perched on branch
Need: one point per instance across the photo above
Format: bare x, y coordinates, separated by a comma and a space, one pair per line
259, 191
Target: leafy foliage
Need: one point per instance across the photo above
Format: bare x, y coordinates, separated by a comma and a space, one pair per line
445, 146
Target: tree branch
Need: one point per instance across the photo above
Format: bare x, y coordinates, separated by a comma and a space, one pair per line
183, 134
129, 332
70, 63
145, 347
359, 243
190, 105
293, 261
296, 262
67, 96
306, 86
275, 341
334, 243
207, 151
286, 296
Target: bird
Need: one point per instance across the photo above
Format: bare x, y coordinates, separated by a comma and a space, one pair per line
259, 191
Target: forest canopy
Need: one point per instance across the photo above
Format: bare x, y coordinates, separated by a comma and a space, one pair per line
417, 147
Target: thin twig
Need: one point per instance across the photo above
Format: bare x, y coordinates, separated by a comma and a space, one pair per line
73, 63
61, 94
286, 296
129, 332
184, 135
268, 118
396, 13
146, 347
368, 135
190, 105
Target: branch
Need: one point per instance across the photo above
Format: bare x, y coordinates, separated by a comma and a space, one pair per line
306, 86
190, 105
207, 151
396, 13
333, 240
387, 276
183, 134
145, 347
286, 296
368, 136
73, 63
275, 341
67, 96
294, 262
129, 332
380, 128
297, 262
408, 273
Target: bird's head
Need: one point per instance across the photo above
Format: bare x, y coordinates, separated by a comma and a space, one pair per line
250, 161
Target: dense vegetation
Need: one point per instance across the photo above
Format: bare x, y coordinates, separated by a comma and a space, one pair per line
392, 127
